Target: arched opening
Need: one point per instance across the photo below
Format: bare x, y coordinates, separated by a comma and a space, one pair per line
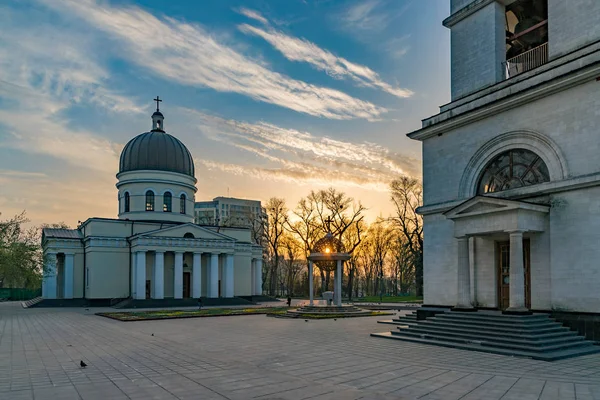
182, 203
188, 235
167, 202
513, 169
127, 202
149, 200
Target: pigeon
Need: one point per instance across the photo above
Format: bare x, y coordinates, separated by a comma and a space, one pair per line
305, 320
335, 319
82, 364
69, 345
153, 334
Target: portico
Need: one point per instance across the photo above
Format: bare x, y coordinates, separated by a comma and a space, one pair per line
509, 223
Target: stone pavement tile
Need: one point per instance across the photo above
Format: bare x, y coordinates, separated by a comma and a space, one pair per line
407, 380
56, 393
427, 386
493, 389
587, 392
459, 388
558, 390
17, 395
371, 380
525, 389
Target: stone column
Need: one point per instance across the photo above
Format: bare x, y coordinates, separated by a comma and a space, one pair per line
50, 276
158, 281
464, 274
517, 274
213, 276
310, 283
338, 277
133, 274
68, 276
197, 276
140, 275
258, 277
252, 275
178, 276
228, 275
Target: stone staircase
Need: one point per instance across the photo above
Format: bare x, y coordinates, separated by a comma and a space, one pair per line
32, 302
535, 336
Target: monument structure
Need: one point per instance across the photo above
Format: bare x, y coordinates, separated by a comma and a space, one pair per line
153, 250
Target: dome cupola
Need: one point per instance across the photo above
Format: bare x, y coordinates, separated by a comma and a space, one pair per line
156, 176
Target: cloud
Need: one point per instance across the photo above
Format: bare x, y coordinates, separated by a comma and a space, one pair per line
43, 73
302, 157
188, 54
365, 16
253, 15
295, 49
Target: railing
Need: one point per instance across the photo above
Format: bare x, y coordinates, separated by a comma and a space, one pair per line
526, 61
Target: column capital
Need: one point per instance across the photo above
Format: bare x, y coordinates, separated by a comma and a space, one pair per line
178, 251
464, 237
516, 233
159, 251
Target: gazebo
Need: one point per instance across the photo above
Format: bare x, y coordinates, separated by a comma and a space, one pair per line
328, 254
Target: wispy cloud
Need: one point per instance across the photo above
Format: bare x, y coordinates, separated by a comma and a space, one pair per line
255, 15
44, 72
302, 50
188, 54
366, 15
302, 157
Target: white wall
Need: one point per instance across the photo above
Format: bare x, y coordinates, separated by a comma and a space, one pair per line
572, 24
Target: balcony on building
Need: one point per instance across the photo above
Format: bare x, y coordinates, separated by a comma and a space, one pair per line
526, 36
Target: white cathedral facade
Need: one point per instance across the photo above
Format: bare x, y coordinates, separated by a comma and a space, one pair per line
153, 250
511, 166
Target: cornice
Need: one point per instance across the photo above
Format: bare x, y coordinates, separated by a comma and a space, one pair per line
507, 103
466, 11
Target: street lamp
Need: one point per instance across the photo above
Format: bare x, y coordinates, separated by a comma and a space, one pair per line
381, 286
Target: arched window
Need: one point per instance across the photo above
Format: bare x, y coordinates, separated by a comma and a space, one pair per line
513, 169
149, 200
188, 235
182, 203
127, 202
167, 200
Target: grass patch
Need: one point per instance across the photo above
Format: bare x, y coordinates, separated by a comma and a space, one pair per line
208, 312
390, 299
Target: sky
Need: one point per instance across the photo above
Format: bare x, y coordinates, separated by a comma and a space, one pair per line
272, 98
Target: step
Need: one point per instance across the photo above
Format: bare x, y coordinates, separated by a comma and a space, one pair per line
491, 335
546, 328
505, 319
487, 324
549, 356
391, 322
485, 343
514, 342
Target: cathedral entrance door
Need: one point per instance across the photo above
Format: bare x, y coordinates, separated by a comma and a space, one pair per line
503, 273
186, 285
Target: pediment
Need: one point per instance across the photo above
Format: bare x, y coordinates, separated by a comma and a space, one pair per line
479, 205
180, 231
482, 207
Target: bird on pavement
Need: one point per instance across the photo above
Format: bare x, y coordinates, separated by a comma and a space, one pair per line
335, 319
82, 364
305, 320
153, 334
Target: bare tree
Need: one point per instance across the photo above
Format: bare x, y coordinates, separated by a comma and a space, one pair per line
407, 196
402, 267
293, 262
277, 217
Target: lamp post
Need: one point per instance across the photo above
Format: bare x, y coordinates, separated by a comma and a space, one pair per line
381, 286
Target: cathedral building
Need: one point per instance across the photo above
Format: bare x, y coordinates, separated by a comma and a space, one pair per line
511, 172
153, 250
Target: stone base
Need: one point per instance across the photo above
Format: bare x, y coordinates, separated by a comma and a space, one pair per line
517, 311
330, 310
464, 309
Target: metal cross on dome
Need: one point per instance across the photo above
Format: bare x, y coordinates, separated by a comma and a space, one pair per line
157, 100
328, 221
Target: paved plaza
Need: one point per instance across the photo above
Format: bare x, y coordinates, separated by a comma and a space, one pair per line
259, 357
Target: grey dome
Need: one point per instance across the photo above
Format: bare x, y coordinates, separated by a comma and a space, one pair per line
156, 150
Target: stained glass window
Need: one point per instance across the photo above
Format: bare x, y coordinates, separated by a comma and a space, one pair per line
513, 169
